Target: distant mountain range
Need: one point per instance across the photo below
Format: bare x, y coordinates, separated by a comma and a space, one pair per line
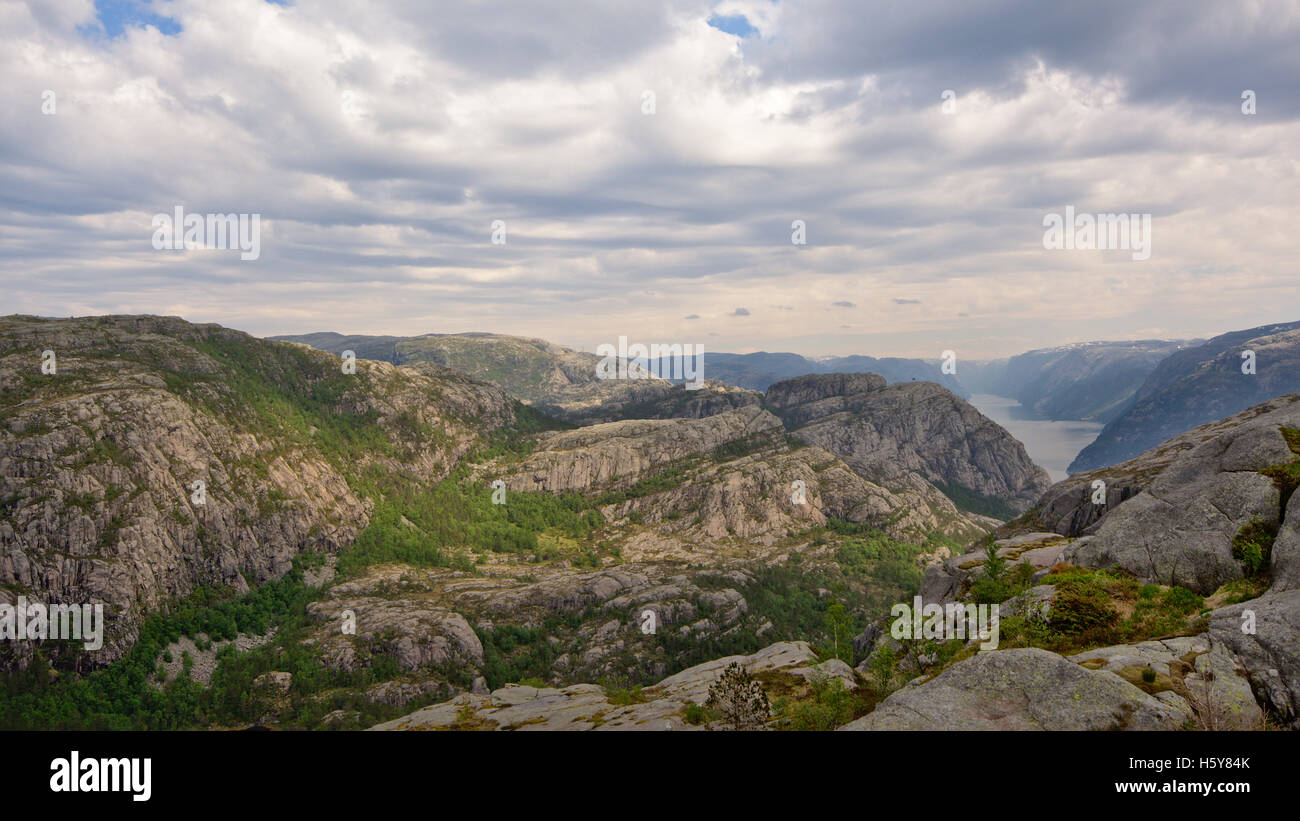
1196, 385
1089, 381
759, 371
1144, 391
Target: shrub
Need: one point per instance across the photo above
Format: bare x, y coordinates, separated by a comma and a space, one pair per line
1253, 544
1080, 605
738, 700
831, 706
884, 662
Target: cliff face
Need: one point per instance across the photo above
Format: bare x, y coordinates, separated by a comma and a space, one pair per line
1180, 529
1197, 385
718, 478
886, 432
98, 460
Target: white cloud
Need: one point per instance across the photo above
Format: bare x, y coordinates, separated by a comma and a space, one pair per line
379, 143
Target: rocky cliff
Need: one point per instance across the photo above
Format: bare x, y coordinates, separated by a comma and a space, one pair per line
890, 432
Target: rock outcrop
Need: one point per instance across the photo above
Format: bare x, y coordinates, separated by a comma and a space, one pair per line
1264, 634
1180, 528
662, 706
890, 432
1025, 689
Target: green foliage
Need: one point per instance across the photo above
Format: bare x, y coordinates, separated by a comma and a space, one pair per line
996, 585
120, 697
1253, 545
885, 562
668, 479
975, 502
883, 668
695, 714
422, 525
518, 439
1081, 605
738, 448
513, 653
839, 629
623, 696
831, 705
738, 700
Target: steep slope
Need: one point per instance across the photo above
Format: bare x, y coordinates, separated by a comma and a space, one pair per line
1091, 381
98, 460
1197, 385
714, 480
910, 432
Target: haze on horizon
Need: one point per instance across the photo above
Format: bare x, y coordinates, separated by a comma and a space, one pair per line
380, 142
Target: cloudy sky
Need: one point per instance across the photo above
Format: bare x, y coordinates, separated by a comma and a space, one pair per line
380, 140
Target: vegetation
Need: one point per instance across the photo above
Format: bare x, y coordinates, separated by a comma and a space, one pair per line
1253, 545
830, 705
738, 701
1102, 608
975, 502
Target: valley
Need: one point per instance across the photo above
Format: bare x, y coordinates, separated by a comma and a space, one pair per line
522, 546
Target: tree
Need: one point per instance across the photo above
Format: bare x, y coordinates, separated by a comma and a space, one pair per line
838, 626
738, 700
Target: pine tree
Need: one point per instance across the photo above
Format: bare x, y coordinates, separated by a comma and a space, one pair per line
738, 700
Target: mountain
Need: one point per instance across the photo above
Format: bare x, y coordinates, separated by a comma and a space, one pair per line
100, 457
1196, 385
759, 371
912, 431
1089, 381
552, 378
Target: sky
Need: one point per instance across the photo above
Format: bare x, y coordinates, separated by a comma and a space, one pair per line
648, 162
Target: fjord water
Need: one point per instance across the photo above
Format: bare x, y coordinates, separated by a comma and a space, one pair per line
1052, 445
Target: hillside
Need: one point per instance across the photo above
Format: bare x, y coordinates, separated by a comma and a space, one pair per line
1196, 385
1092, 381
914, 432
552, 378
100, 458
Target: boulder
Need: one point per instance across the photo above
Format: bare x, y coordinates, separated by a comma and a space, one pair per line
1023, 689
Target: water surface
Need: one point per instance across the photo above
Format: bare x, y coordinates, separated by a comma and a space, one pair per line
1052, 445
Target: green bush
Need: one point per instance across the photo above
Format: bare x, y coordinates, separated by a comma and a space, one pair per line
832, 705
1253, 545
1081, 604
